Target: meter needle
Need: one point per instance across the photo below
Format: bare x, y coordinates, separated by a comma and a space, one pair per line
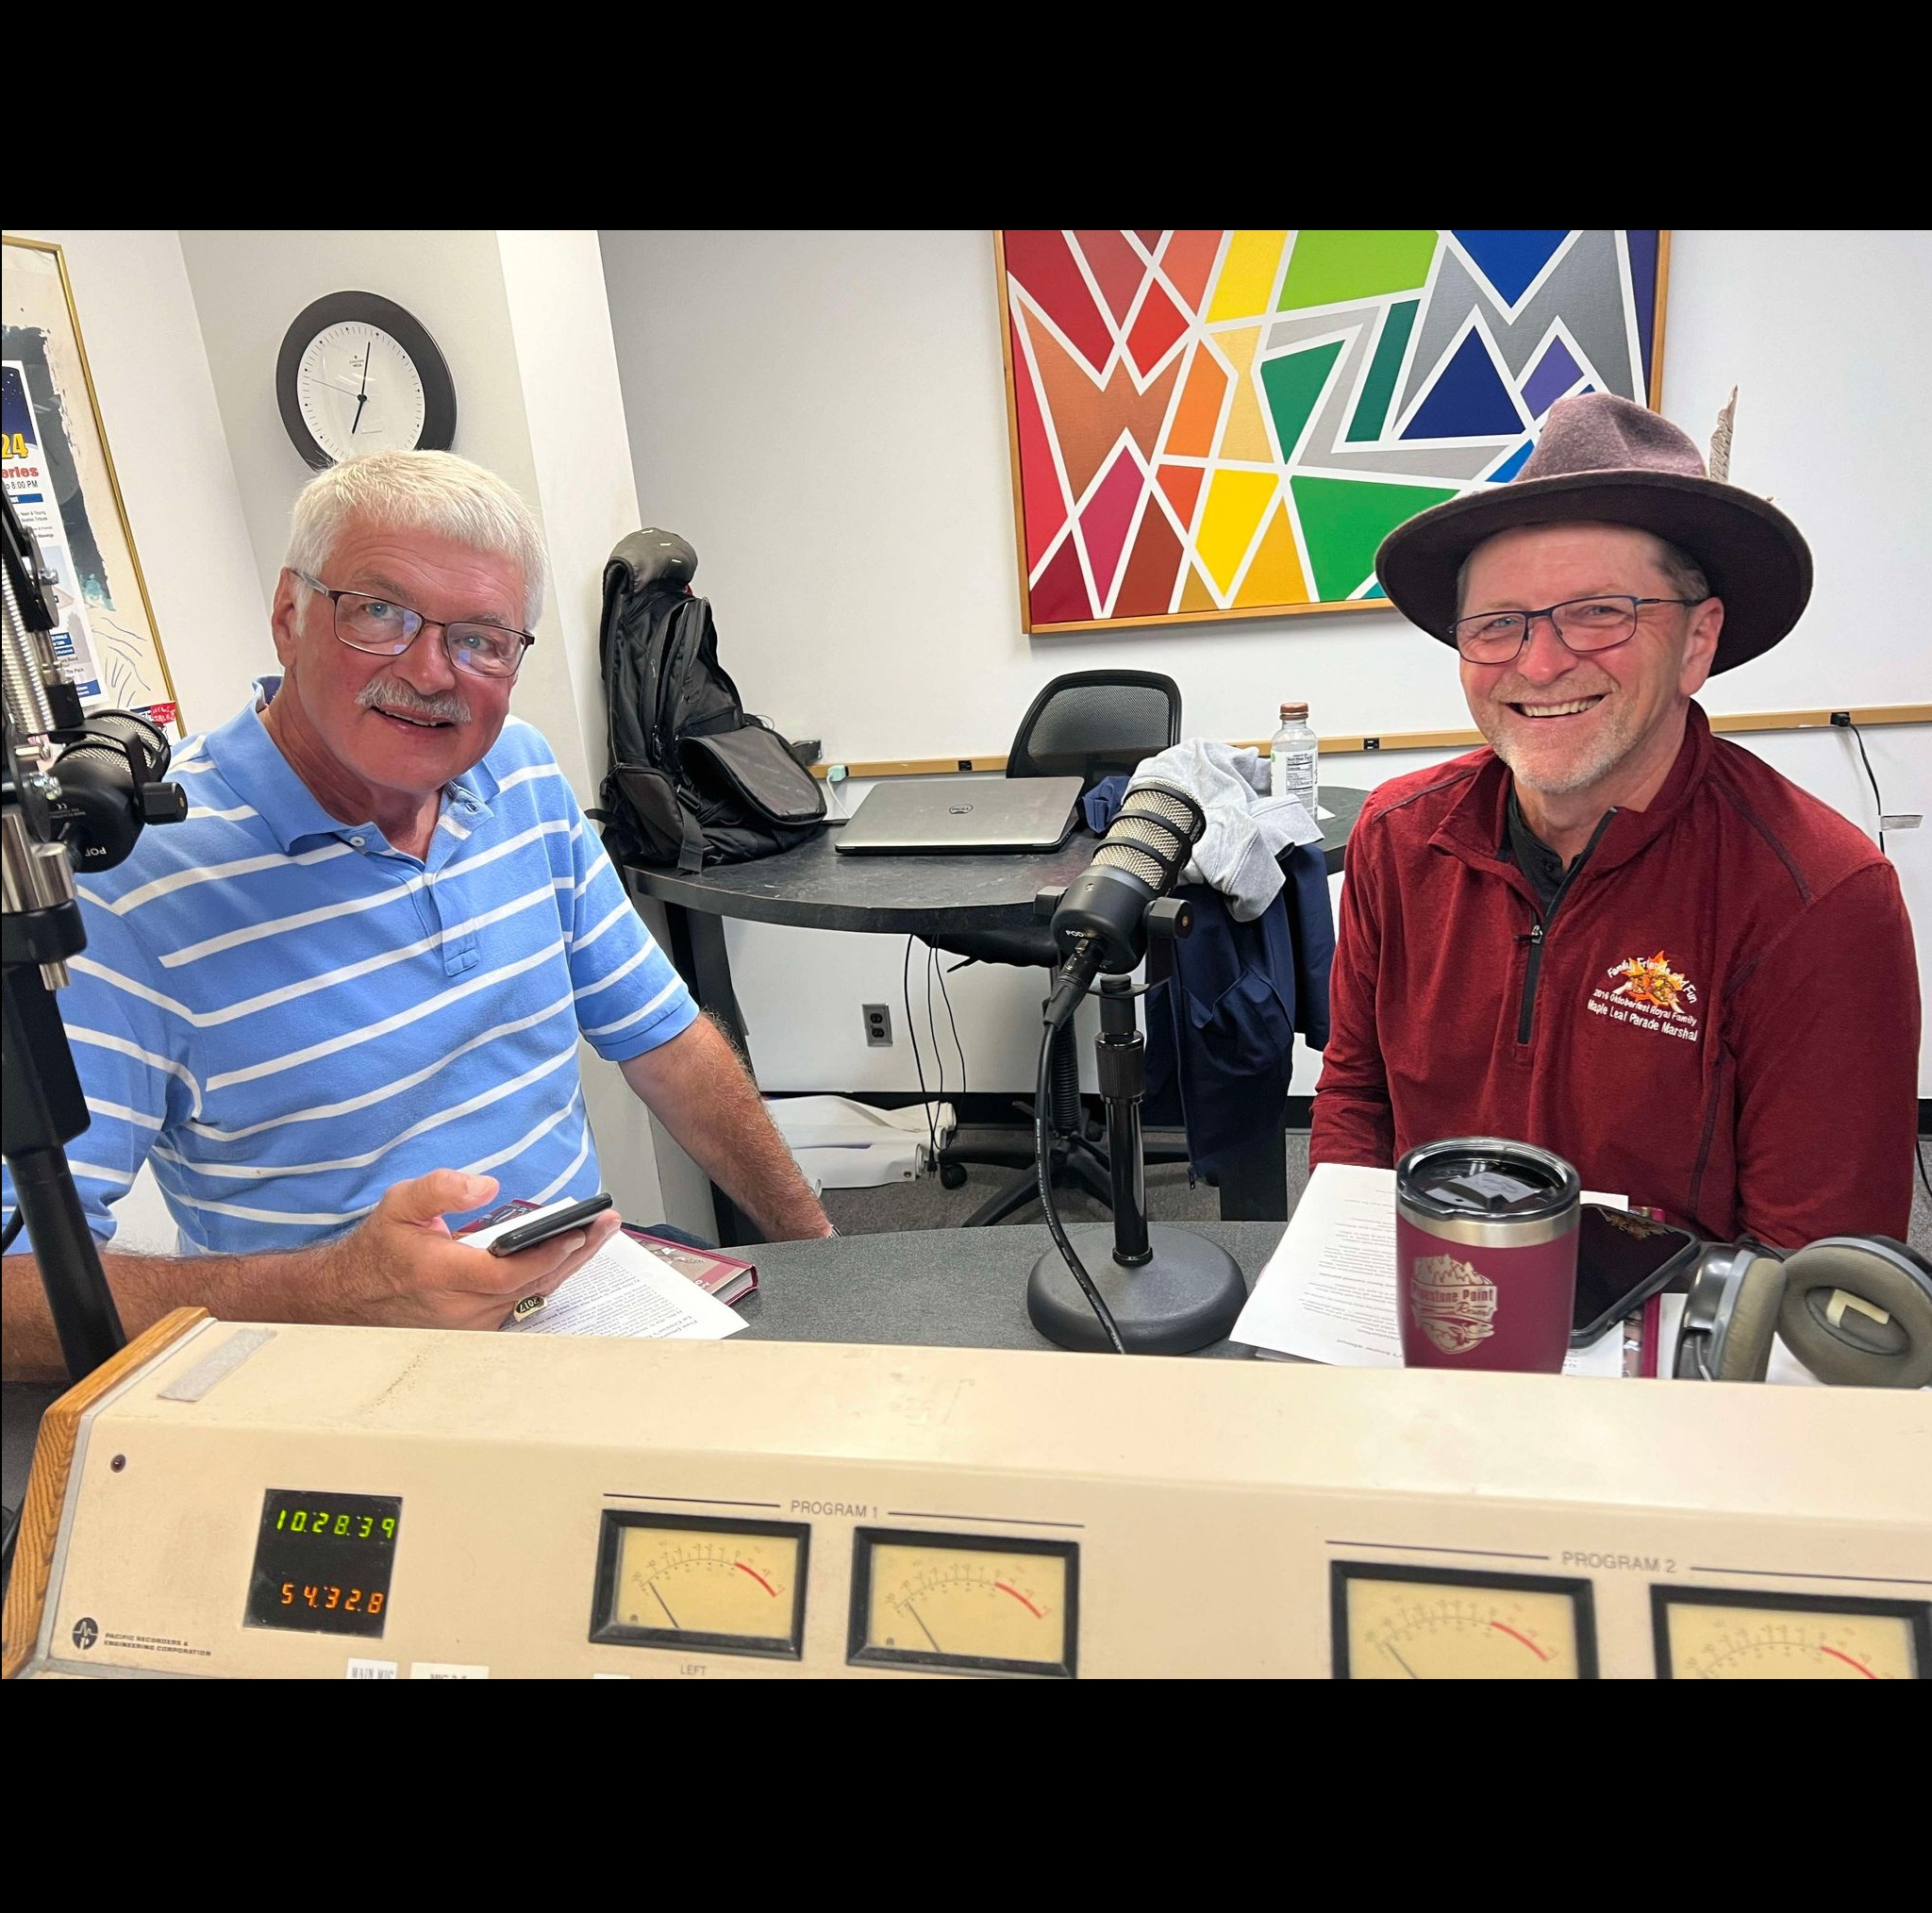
1400, 1662
923, 1627
662, 1603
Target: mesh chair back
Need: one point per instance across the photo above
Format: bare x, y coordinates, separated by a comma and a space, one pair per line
1094, 723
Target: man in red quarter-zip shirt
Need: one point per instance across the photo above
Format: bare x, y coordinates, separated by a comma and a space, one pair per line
1612, 933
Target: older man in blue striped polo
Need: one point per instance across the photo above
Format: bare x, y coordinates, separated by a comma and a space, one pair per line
341, 1004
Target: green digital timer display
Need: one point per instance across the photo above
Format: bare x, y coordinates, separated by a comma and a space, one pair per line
322, 1561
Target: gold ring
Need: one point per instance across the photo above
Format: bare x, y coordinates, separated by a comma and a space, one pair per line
528, 1306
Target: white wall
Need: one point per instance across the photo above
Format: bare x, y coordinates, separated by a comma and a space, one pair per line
164, 430
182, 332
248, 288
137, 313
579, 454
822, 415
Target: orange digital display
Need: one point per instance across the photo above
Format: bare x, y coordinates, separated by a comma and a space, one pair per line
322, 1561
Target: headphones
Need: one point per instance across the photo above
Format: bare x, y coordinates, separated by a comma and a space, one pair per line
1855, 1310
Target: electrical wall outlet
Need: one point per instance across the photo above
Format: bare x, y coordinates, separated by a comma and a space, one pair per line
878, 1025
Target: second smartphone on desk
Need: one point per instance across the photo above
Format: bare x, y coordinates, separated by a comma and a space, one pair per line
1622, 1261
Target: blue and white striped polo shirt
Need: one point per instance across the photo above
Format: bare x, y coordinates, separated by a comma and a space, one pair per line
285, 1015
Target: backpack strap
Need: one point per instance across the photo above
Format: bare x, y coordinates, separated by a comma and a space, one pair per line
690, 853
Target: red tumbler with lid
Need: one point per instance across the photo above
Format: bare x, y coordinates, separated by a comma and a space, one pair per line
1486, 1255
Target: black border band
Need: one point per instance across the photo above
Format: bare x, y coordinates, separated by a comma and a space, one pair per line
1664, 1595
1581, 1592
859, 1653
608, 1630
439, 389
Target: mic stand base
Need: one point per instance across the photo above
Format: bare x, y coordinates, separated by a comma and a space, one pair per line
1185, 1297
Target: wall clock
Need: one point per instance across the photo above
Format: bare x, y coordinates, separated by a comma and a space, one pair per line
357, 373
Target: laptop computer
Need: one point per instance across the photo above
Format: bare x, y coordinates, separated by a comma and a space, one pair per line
933, 815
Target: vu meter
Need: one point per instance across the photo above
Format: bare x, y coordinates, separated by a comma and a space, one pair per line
1729, 1634
964, 1604
733, 1587
1402, 1623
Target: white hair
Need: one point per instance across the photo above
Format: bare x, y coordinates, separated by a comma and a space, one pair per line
433, 492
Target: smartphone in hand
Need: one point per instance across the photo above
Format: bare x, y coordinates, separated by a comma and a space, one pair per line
541, 1228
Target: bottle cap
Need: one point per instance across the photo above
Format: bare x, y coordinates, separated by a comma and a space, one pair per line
1294, 710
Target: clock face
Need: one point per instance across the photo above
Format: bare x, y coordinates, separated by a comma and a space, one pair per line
357, 373
361, 391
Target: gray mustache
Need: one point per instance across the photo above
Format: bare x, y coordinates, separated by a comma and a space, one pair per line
392, 693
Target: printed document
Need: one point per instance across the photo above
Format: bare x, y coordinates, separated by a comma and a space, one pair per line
623, 1290
1329, 1291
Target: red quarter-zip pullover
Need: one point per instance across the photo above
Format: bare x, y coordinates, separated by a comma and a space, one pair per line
1719, 1018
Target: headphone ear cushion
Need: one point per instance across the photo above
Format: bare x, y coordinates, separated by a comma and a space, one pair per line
1859, 1314
1746, 1353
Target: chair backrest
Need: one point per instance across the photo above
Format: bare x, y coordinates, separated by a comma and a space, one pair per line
1093, 724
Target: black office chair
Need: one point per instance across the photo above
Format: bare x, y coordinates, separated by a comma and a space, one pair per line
1091, 724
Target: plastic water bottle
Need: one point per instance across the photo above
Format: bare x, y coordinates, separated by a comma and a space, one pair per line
1292, 758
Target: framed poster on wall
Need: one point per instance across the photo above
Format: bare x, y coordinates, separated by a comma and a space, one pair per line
1225, 424
60, 476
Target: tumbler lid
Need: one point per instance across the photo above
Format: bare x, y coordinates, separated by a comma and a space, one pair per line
1485, 1178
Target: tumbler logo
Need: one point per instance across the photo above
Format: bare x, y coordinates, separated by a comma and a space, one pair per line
1454, 1304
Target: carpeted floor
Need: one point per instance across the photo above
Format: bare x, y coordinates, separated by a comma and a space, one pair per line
925, 1205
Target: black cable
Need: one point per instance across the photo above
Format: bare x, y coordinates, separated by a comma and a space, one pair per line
932, 1030
959, 1051
912, 1037
11, 1230
1858, 739
1918, 1155
1042, 1150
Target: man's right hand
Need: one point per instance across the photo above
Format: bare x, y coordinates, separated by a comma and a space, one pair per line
401, 1268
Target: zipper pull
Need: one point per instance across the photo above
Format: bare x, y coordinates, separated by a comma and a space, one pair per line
1533, 935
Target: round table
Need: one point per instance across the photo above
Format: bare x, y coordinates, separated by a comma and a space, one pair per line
812, 887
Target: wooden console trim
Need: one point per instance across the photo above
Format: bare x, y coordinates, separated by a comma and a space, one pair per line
46, 1485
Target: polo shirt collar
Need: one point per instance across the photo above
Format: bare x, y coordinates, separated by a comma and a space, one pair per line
252, 762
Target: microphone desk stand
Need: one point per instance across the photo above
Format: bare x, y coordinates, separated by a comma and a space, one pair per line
1171, 1291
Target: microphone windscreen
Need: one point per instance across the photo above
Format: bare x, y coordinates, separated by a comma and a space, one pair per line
1146, 833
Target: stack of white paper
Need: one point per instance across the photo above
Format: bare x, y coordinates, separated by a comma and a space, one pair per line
623, 1289
1329, 1291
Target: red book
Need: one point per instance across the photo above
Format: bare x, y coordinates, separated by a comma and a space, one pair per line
722, 1276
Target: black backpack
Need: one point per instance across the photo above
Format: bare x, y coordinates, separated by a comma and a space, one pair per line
693, 780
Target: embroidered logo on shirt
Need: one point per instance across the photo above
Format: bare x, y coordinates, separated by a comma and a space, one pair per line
1454, 1302
1650, 994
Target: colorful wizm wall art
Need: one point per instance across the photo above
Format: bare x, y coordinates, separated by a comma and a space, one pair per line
1226, 424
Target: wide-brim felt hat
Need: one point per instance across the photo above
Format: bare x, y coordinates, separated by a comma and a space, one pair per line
1603, 460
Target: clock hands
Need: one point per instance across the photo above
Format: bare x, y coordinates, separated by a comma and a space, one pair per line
362, 396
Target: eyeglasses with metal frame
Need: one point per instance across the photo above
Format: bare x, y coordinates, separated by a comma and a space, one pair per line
1583, 625
386, 629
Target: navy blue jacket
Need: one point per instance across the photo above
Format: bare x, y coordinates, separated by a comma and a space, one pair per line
1220, 1028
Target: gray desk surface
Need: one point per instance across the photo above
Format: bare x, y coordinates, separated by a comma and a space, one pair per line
814, 888
948, 1287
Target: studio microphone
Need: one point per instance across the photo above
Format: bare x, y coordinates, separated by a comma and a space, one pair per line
1100, 921
112, 783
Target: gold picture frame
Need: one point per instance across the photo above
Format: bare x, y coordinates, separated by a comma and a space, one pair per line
60, 473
